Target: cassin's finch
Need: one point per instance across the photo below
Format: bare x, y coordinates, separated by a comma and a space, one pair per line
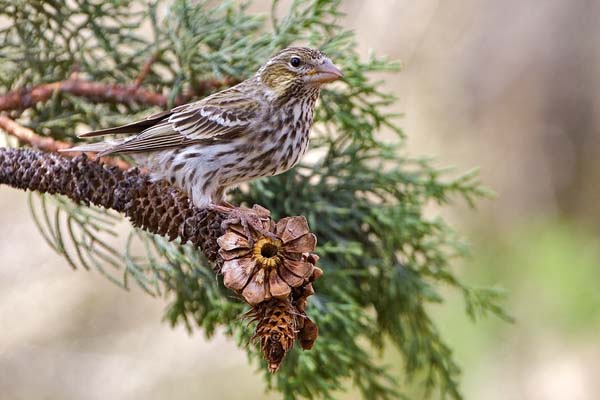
257, 128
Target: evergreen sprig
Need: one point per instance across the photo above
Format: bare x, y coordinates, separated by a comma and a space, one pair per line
385, 259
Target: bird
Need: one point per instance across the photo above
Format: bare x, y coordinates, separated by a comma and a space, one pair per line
257, 128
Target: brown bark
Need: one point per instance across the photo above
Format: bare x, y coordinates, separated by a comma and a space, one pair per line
103, 92
26, 136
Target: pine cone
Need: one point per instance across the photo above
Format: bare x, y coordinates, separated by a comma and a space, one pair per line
271, 265
276, 330
266, 260
300, 294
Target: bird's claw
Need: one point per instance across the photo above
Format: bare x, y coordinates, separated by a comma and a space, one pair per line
248, 218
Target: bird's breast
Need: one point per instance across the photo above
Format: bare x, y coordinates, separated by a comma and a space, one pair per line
273, 145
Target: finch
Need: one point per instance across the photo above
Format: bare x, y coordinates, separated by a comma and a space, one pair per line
257, 128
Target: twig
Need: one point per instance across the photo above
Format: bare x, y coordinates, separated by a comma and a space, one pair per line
100, 92
144, 71
209, 85
26, 136
114, 93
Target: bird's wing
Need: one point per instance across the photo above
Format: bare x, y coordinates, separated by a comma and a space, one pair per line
215, 115
134, 127
222, 115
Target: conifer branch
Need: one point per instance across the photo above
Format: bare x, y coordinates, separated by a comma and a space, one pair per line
386, 259
95, 91
144, 71
163, 209
21, 99
27, 136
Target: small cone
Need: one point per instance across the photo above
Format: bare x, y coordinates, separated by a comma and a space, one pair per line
276, 330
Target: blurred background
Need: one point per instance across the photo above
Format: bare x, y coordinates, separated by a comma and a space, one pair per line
511, 87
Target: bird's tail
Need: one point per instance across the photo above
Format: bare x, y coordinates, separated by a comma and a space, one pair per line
102, 148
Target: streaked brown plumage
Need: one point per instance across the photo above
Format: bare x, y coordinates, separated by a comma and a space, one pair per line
257, 128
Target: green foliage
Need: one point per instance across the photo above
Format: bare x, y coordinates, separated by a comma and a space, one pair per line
385, 259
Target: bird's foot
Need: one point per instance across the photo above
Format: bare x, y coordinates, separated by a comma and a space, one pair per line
255, 218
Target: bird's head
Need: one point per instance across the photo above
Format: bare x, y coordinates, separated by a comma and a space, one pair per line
298, 69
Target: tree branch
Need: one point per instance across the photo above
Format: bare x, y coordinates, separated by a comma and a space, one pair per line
113, 93
103, 92
144, 71
26, 136
161, 208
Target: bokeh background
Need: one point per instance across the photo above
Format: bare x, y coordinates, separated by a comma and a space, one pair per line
511, 87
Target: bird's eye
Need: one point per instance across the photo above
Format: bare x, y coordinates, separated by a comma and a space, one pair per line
295, 62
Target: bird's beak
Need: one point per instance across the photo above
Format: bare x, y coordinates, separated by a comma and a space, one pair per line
324, 73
